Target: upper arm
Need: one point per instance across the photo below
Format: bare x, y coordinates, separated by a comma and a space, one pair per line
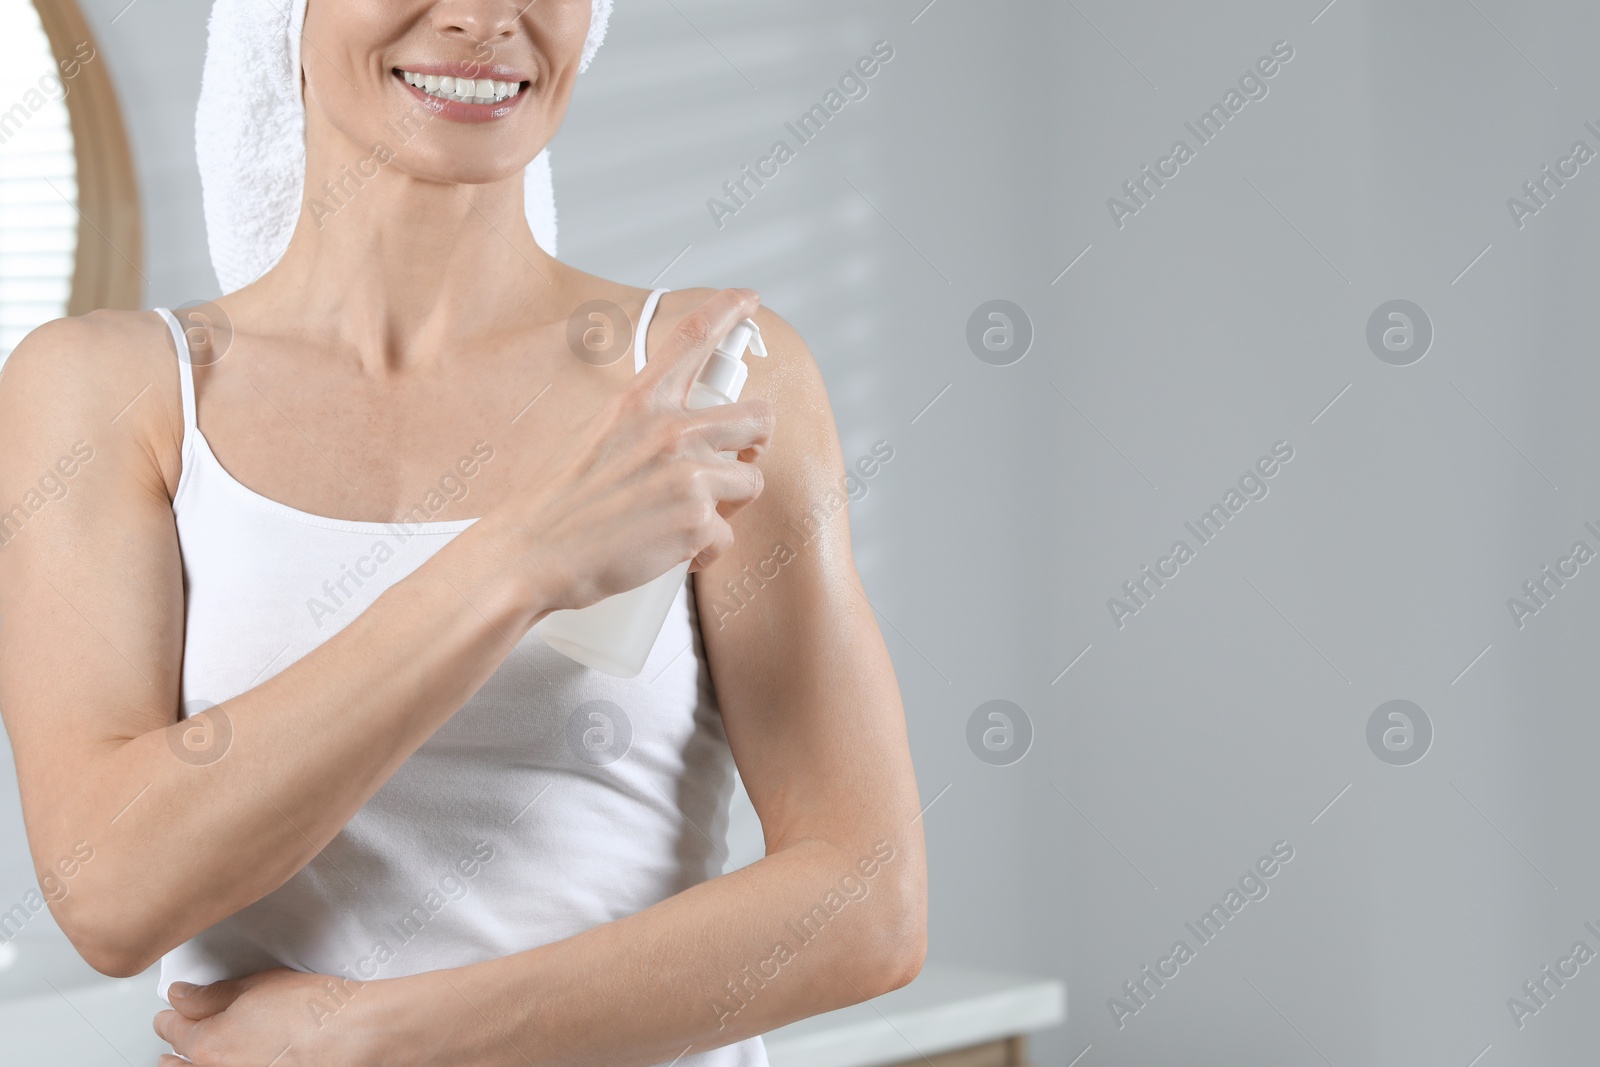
803, 678
91, 596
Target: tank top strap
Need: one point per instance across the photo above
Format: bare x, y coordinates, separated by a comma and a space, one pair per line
185, 376
644, 327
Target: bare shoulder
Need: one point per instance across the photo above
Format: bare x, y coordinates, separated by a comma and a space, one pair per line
109, 374
789, 366
789, 376
804, 464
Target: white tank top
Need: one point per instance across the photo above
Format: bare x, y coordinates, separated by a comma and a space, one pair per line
557, 798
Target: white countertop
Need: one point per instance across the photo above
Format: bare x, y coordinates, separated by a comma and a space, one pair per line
944, 1008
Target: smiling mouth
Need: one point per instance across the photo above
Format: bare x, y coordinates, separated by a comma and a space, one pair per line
462, 90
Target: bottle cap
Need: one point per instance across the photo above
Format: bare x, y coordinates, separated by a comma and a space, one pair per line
725, 372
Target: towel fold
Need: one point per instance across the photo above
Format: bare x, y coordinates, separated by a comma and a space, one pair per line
250, 133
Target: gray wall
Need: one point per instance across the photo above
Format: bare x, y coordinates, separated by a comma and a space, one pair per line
1223, 317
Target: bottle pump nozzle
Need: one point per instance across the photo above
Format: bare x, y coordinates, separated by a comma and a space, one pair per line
725, 371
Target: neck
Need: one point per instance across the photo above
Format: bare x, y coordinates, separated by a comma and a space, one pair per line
403, 269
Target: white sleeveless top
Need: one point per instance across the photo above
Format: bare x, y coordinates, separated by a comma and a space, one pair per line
557, 798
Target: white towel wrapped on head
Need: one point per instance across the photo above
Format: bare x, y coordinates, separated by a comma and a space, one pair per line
250, 137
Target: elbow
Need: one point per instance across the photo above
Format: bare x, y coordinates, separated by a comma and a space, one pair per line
901, 943
903, 962
112, 957
114, 964
103, 941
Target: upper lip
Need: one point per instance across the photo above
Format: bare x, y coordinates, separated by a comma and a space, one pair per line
465, 69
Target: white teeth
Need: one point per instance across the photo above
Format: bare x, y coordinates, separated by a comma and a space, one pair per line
468, 90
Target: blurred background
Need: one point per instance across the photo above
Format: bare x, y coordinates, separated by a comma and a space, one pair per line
1338, 346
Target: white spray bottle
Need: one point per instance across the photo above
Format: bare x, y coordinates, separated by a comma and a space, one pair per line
616, 635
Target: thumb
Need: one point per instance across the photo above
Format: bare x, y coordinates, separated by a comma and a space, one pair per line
202, 1001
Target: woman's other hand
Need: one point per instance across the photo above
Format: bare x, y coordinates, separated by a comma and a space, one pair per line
284, 1017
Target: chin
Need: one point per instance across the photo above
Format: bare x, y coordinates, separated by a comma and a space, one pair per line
458, 171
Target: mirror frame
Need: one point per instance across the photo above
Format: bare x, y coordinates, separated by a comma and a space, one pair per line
106, 269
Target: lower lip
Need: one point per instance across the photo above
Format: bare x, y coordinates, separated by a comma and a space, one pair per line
459, 111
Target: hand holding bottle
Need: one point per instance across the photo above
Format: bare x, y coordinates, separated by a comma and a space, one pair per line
642, 486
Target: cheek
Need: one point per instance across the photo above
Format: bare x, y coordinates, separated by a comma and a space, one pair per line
342, 51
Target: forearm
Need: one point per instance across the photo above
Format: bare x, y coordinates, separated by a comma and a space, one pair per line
182, 840
803, 931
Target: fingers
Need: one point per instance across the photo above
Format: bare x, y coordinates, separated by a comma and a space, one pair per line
736, 485
175, 1030
721, 541
733, 485
745, 427
673, 369
200, 1002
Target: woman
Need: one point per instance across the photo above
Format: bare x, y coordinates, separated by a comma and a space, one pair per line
382, 835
